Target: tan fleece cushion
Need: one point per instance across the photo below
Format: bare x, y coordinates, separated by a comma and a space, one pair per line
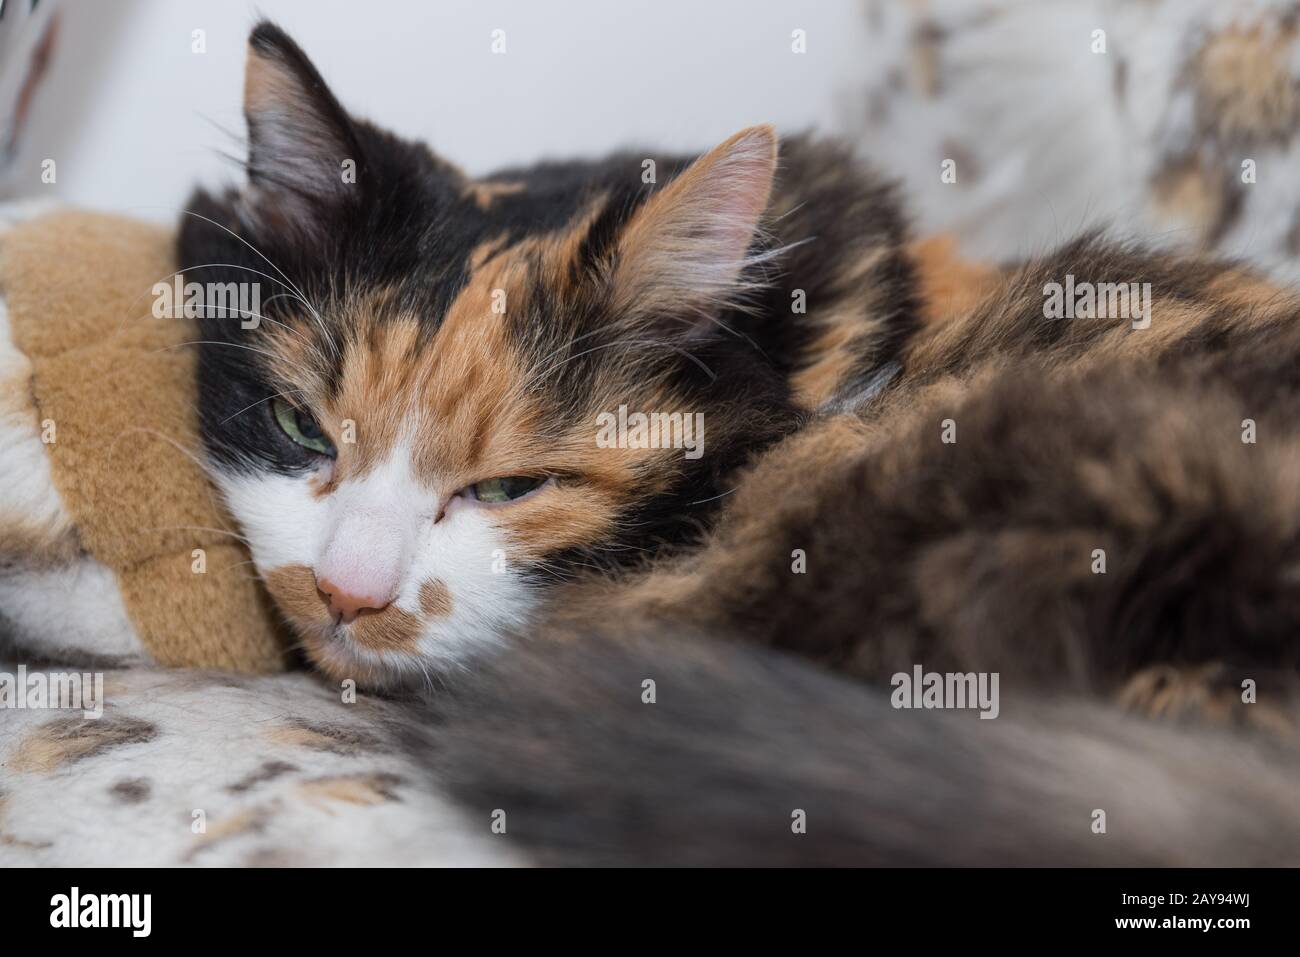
119, 386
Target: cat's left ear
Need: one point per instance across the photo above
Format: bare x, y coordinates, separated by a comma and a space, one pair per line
682, 255
300, 140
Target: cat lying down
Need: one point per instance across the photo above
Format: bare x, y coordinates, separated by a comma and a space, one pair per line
907, 463
409, 439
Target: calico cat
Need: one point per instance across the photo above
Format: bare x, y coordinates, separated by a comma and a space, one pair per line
408, 437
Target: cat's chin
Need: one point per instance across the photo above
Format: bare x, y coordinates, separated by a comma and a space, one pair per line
341, 659
335, 651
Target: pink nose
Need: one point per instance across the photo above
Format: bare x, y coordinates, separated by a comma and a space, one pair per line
347, 604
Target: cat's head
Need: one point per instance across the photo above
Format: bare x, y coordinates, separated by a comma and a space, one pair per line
424, 413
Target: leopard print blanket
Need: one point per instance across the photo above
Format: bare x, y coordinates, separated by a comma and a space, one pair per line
201, 768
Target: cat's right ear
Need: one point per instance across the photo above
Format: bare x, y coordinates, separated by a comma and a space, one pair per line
304, 159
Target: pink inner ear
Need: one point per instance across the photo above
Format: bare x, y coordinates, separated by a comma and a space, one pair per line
745, 183
685, 249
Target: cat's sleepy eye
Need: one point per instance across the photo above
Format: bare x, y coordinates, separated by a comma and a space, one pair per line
301, 427
494, 491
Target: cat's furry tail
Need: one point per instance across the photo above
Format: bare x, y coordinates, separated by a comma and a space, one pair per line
747, 757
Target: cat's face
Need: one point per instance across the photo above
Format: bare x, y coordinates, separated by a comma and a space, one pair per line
415, 437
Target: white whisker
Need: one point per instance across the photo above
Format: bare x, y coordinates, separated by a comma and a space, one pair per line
288, 282
278, 395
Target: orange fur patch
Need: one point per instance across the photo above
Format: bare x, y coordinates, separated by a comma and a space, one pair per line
1188, 195
948, 284
294, 589
1260, 298
831, 357
66, 740
389, 630
435, 599
484, 193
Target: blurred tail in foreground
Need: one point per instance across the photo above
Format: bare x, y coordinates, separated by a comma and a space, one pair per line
746, 757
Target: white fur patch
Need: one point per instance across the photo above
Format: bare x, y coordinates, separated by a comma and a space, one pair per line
383, 530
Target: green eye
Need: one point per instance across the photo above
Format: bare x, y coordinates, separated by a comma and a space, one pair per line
301, 427
504, 489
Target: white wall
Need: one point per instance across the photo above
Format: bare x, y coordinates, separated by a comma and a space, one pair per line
133, 118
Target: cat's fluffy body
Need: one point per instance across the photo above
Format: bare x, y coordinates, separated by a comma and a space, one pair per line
1068, 503
1076, 441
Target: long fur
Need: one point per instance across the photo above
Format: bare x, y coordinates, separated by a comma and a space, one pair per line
555, 734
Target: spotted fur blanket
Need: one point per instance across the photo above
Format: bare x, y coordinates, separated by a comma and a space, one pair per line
211, 769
